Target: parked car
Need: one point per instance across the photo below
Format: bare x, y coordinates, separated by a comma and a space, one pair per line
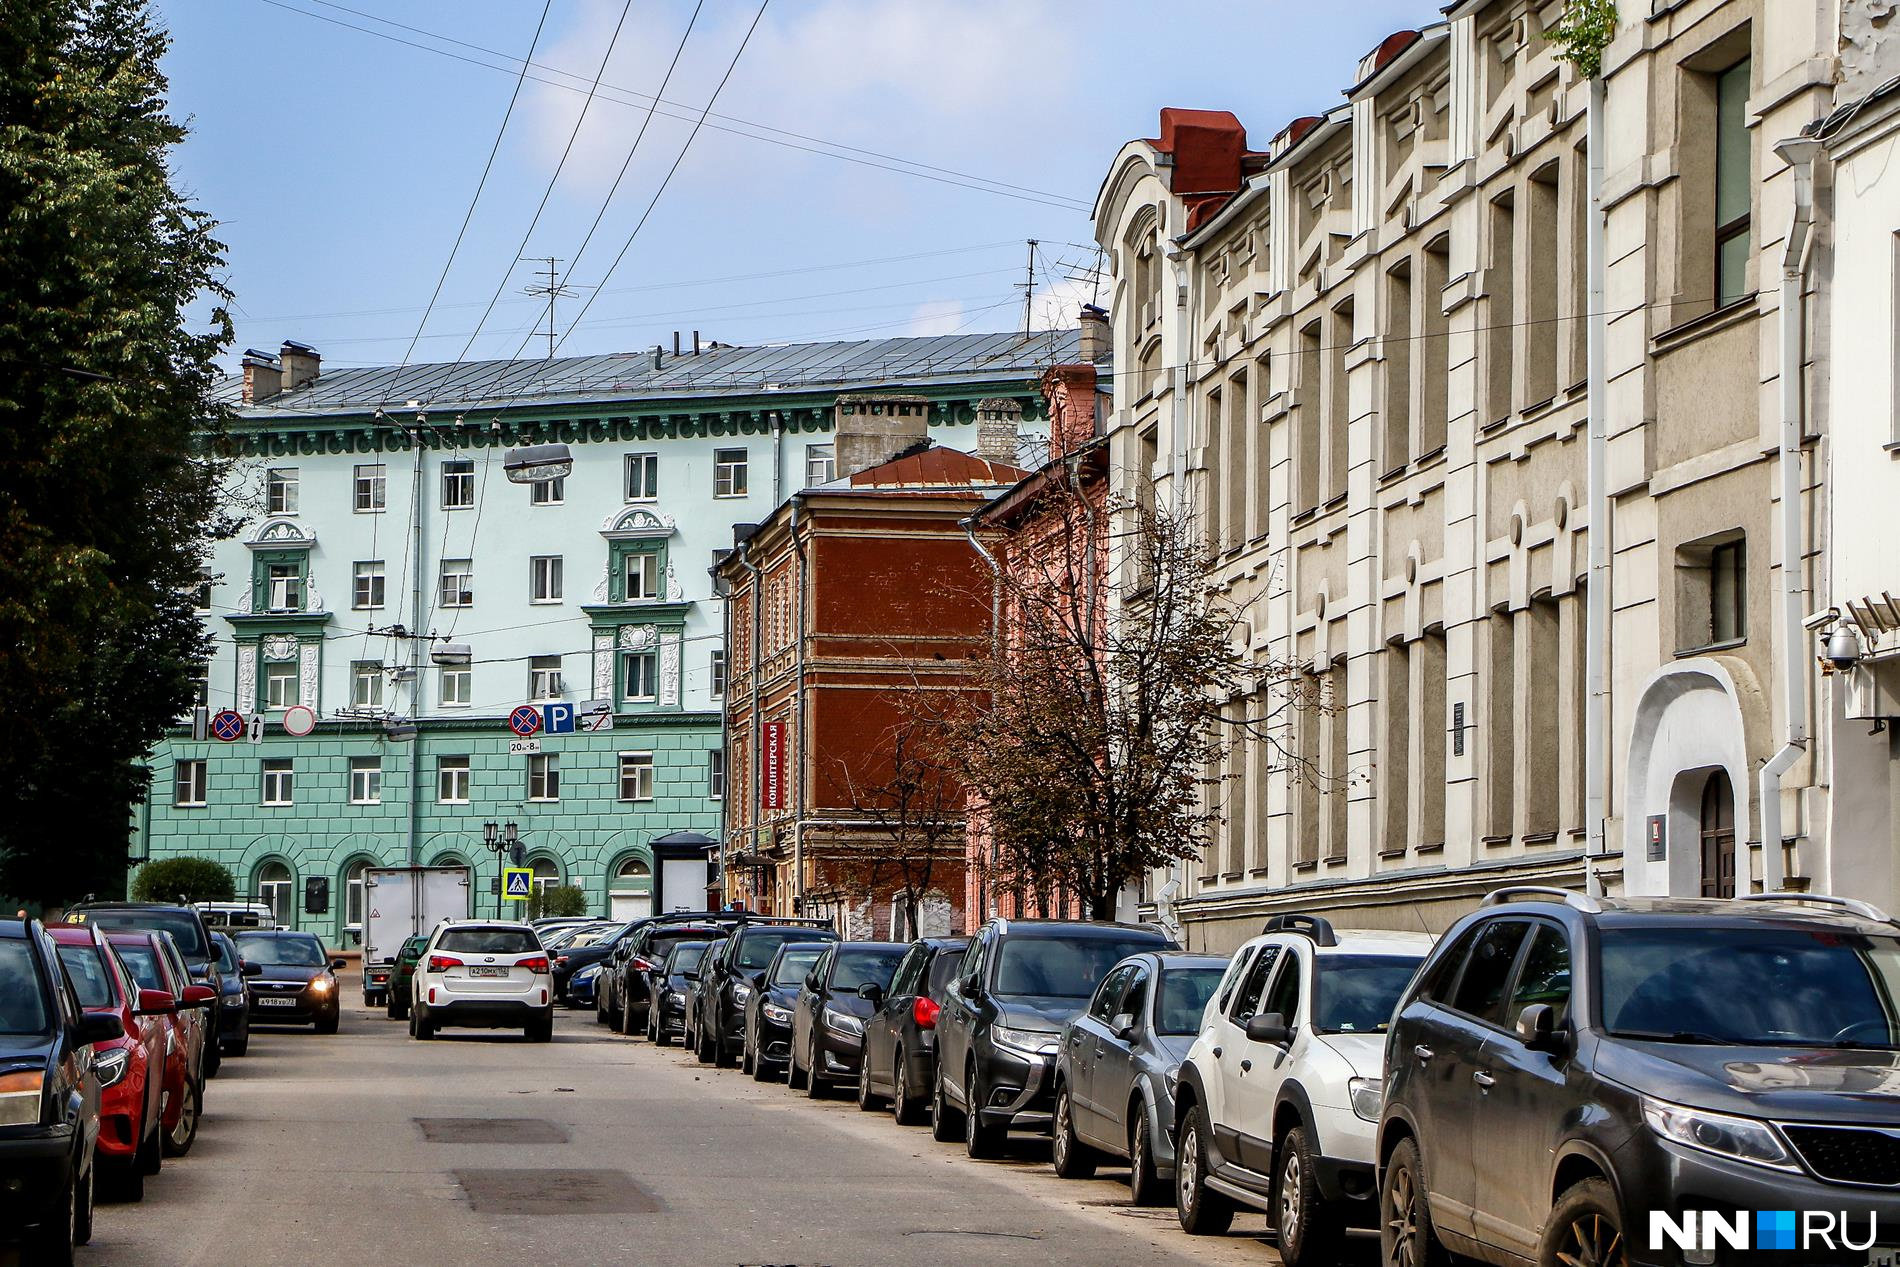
234, 1009
697, 980
1117, 1063
229, 917
49, 1097
829, 1012
402, 976
584, 948
1022, 981
626, 983
900, 1038
376, 982
666, 1014
156, 966
767, 1053
1563, 1065
297, 984
189, 934
728, 981
484, 973
131, 1067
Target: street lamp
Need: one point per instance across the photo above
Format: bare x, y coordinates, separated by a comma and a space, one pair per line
537, 463
499, 839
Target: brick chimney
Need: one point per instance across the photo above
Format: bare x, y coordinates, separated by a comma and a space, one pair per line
301, 364
1070, 391
1094, 341
870, 430
999, 422
262, 376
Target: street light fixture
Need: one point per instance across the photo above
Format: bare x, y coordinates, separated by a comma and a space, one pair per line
537, 463
500, 839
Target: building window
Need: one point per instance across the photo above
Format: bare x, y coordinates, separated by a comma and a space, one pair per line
368, 592
544, 777
729, 472
544, 579
451, 780
643, 676
458, 583
718, 675
280, 684
643, 575
366, 780
458, 484
1711, 593
201, 688
544, 677
546, 874
201, 596
636, 776
353, 895
280, 490
1728, 592
1734, 178
276, 782
643, 477
366, 684
716, 774
372, 482
284, 583
821, 467
551, 492
188, 782
457, 687
273, 886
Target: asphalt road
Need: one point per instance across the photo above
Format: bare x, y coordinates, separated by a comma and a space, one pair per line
596, 1149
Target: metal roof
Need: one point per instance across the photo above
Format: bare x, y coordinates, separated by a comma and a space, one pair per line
858, 365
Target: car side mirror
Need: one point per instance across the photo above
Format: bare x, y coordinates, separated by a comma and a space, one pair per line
199, 996
253, 969
690, 975
1269, 1028
1537, 1028
871, 992
338, 965
97, 1027
758, 980
156, 1002
1123, 1025
971, 986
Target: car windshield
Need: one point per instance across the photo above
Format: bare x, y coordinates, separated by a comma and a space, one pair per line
1752, 986
141, 960
87, 971
686, 955
793, 967
865, 965
1062, 967
292, 952
489, 941
760, 944
182, 925
1355, 994
1183, 997
23, 1007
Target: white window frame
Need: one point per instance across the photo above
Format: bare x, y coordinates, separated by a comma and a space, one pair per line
281, 485
641, 477
283, 593
730, 472
190, 783
651, 676
362, 671
544, 680
274, 700
548, 492
464, 694
453, 774
277, 781
716, 668
458, 479
354, 891
645, 563
372, 572
544, 773
545, 579
821, 464
640, 766
370, 488
201, 593
462, 592
716, 774
366, 780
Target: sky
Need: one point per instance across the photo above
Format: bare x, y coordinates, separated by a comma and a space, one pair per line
870, 168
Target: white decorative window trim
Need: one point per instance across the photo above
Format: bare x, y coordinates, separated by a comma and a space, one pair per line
637, 523
281, 534
603, 666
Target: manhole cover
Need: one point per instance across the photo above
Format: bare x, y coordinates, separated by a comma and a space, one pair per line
491, 1130
518, 1191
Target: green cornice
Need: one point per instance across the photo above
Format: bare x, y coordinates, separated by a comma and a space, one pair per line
606, 617
263, 624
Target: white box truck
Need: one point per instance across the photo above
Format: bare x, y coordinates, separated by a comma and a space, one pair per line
400, 903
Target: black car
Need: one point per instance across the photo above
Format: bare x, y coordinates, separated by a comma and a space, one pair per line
234, 1007
189, 932
1022, 981
728, 981
697, 980
669, 982
626, 984
900, 1038
768, 1012
570, 959
1564, 1067
839, 994
296, 983
49, 1096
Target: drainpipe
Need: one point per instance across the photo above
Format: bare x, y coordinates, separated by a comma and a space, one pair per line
1178, 343
1597, 594
798, 712
415, 652
755, 774
984, 900
1798, 153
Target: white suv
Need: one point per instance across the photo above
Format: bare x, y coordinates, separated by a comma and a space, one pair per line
488, 973
1278, 1101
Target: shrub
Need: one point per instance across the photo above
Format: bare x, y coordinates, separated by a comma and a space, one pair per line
192, 879
562, 899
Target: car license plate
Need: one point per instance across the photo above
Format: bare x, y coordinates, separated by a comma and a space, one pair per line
267, 1001
488, 972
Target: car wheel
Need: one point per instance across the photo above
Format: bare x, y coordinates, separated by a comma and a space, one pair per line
815, 1084
980, 1140
151, 1154
213, 1058
746, 1062
1406, 1238
903, 1104
239, 1045
422, 1026
1144, 1181
763, 1070
1201, 1210
328, 1024
125, 1181
794, 1076
53, 1241
179, 1139
1309, 1231
82, 1210
868, 1100
1584, 1229
1073, 1159
944, 1127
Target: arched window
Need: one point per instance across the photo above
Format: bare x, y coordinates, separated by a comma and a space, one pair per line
1718, 836
632, 873
274, 884
547, 874
353, 893
630, 889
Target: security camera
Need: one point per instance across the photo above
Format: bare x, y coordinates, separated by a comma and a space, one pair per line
1843, 648
1820, 620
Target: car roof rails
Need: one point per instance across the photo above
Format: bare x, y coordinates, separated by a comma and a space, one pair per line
1866, 910
1313, 926
1543, 893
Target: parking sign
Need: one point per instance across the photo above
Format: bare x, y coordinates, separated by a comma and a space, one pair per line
557, 719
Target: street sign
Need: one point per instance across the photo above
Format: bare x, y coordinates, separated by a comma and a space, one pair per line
299, 720
557, 719
228, 725
257, 728
773, 741
516, 883
525, 720
597, 715
524, 747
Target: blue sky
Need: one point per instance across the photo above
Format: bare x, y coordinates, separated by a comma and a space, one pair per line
341, 163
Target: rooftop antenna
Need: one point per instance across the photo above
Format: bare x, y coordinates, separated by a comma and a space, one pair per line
553, 288
1029, 286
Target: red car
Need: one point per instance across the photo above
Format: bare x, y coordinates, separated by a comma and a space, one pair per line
155, 965
132, 1066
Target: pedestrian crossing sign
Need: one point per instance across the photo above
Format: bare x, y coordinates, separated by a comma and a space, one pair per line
515, 882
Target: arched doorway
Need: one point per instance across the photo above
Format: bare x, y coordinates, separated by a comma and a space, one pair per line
274, 886
630, 889
1717, 822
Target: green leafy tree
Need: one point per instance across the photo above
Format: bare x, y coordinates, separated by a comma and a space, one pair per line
106, 497
193, 879
559, 899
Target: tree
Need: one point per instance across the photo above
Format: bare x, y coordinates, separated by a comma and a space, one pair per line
106, 496
559, 899
1110, 693
187, 879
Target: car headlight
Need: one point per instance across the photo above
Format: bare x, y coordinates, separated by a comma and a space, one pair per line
776, 1014
1030, 1042
740, 993
20, 1097
843, 1023
588, 973
1741, 1138
1367, 1096
112, 1065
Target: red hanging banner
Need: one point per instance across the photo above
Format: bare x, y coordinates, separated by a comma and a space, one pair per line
773, 766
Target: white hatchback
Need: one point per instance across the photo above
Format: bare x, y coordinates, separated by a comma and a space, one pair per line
492, 974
